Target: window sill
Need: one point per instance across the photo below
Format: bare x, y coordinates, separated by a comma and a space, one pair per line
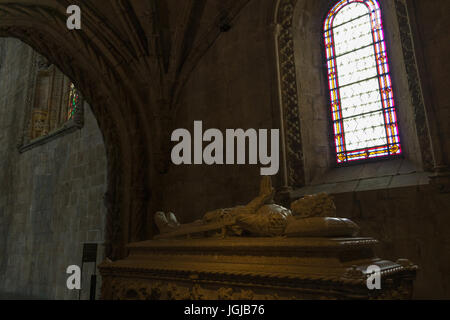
374, 176
69, 127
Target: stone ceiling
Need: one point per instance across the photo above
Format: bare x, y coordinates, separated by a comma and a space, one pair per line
131, 60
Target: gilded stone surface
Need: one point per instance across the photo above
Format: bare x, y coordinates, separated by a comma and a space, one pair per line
310, 216
254, 268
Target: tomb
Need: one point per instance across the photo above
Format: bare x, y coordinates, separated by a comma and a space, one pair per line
258, 251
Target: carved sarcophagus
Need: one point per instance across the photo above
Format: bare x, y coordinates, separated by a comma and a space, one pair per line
257, 268
258, 251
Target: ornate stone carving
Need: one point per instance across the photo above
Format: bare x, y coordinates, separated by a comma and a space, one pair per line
313, 216
39, 123
319, 205
253, 268
45, 117
42, 63
142, 290
415, 89
318, 253
294, 152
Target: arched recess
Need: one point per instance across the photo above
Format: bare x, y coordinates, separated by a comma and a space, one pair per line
91, 58
304, 91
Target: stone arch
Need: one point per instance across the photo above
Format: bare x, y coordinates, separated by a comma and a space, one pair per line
97, 68
303, 88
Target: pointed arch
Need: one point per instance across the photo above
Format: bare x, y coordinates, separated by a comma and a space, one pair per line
303, 87
362, 101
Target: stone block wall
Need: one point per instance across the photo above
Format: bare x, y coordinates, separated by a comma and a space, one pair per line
51, 197
410, 222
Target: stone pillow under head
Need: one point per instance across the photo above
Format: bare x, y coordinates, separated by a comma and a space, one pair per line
321, 227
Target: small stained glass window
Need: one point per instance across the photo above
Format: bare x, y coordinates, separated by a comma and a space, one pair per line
74, 102
362, 100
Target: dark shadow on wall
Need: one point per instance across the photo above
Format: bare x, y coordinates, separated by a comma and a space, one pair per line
51, 195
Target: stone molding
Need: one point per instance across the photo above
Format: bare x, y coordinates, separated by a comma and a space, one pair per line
39, 64
417, 100
69, 127
292, 132
256, 268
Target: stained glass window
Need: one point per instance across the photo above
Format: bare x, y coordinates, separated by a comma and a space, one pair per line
74, 102
362, 100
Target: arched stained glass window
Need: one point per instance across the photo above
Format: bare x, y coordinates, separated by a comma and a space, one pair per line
362, 100
74, 102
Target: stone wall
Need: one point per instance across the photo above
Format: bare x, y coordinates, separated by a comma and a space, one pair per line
234, 86
410, 222
51, 197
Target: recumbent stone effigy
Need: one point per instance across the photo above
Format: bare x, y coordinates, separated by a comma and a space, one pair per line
257, 251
